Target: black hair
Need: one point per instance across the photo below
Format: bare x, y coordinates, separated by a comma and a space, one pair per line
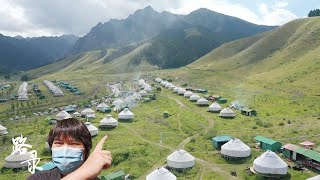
73, 128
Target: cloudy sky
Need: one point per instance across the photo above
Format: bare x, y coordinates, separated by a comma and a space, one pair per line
57, 17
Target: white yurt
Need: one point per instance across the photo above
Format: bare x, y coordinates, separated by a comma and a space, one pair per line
62, 115
101, 106
3, 130
182, 91
130, 101
194, 97
172, 87
176, 89
168, 85
202, 102
141, 82
215, 107
227, 113
92, 129
163, 83
161, 174
235, 148
109, 121
87, 111
76, 114
143, 93
117, 102
15, 159
23, 97
188, 94
58, 93
147, 89
136, 96
181, 159
159, 80
126, 114
270, 163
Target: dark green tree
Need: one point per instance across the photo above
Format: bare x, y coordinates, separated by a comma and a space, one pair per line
315, 12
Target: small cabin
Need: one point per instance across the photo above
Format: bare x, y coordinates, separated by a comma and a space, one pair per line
267, 144
248, 112
218, 141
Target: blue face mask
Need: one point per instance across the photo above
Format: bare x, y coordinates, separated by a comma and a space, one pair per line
67, 159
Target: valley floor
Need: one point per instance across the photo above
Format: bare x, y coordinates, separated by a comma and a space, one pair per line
286, 113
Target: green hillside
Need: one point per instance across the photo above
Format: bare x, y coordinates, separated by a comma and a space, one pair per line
287, 54
92, 63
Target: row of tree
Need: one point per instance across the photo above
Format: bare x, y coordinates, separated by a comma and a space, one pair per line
313, 13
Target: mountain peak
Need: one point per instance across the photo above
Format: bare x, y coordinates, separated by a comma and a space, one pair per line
145, 11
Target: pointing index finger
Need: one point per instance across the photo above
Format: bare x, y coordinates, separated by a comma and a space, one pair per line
101, 142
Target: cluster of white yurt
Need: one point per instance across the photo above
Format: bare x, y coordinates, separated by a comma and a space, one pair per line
3, 130
54, 89
215, 107
269, 163
126, 114
15, 159
109, 121
182, 91
158, 80
161, 174
176, 89
102, 106
188, 94
202, 102
227, 113
62, 115
92, 129
87, 111
235, 148
180, 159
194, 97
143, 93
22, 92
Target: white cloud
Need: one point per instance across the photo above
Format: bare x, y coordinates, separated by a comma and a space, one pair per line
275, 15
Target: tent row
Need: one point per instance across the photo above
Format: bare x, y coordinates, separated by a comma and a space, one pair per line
23, 92
200, 101
54, 89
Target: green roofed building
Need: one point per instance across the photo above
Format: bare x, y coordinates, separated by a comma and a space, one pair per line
308, 153
289, 151
218, 141
222, 100
268, 144
248, 112
119, 175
